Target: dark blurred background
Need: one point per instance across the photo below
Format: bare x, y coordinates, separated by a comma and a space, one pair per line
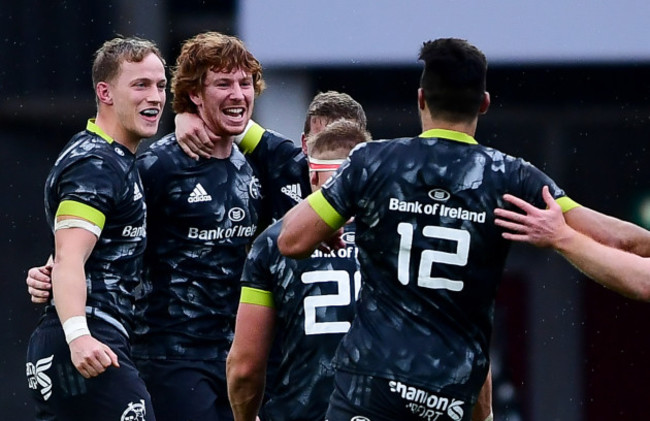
564, 348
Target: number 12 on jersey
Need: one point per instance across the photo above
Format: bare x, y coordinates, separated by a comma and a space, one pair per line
430, 257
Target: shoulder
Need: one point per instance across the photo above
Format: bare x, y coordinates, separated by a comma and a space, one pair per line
163, 152
91, 153
269, 237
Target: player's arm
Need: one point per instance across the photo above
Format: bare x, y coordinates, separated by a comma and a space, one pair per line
308, 225
609, 230
248, 356
74, 240
483, 409
623, 272
39, 282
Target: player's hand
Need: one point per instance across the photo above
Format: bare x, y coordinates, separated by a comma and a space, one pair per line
333, 243
91, 357
39, 283
540, 227
194, 138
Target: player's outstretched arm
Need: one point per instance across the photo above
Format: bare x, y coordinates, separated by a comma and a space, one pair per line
609, 230
73, 246
194, 138
483, 409
303, 230
247, 359
623, 272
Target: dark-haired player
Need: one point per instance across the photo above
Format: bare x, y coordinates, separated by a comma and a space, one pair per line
430, 255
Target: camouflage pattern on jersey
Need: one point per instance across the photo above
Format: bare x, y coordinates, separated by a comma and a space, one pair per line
314, 299
100, 173
281, 166
431, 257
202, 215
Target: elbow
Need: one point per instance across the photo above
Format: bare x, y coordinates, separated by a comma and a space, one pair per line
638, 291
643, 292
242, 370
292, 248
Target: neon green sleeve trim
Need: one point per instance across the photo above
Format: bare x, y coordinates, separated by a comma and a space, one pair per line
323, 208
567, 203
252, 138
256, 296
81, 210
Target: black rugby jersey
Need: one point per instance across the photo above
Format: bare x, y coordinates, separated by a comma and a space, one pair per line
202, 215
96, 179
314, 299
281, 166
430, 255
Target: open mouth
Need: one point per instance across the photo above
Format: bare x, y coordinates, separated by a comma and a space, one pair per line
234, 112
150, 112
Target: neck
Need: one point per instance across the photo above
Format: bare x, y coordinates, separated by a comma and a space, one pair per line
222, 148
429, 122
112, 127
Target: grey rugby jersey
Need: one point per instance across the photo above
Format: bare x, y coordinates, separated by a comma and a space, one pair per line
95, 178
431, 257
202, 215
314, 300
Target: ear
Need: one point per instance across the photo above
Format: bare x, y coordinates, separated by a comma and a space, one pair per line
421, 102
313, 179
303, 143
485, 104
196, 98
103, 92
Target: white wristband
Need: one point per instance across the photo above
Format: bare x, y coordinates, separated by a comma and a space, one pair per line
237, 139
490, 417
74, 327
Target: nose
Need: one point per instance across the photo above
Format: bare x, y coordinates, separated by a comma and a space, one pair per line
237, 91
156, 95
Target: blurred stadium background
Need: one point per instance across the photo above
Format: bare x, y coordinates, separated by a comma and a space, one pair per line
570, 87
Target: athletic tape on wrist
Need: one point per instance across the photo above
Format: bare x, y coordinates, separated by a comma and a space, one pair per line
74, 327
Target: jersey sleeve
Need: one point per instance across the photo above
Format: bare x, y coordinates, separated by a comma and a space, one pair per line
281, 166
257, 275
88, 190
337, 200
529, 187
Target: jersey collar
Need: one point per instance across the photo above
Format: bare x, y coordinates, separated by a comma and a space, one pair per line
451, 135
93, 128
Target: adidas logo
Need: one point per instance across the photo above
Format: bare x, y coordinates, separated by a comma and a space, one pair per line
293, 191
137, 194
199, 195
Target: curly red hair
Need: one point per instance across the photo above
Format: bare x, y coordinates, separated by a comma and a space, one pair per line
210, 51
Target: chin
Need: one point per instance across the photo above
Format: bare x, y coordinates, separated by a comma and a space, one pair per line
149, 131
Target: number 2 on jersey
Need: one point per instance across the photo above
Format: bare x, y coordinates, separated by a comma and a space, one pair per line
341, 298
430, 257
